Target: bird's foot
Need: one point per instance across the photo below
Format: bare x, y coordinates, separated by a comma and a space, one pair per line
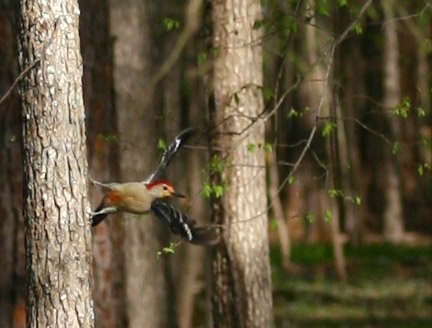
106, 210
97, 183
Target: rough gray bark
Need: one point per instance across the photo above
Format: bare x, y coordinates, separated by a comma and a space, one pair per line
58, 237
241, 270
393, 212
144, 274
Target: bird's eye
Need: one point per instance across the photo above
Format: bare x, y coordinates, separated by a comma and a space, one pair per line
165, 187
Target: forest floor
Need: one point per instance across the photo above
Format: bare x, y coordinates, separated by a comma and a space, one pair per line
387, 286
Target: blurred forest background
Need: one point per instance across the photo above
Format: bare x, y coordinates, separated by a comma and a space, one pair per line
348, 153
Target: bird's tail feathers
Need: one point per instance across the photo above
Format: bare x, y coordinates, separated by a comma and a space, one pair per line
208, 235
181, 225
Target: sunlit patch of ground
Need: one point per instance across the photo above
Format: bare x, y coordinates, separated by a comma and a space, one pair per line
388, 286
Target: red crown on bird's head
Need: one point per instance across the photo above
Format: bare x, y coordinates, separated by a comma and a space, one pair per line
158, 182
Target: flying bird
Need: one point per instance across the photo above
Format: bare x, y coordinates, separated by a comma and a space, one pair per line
145, 196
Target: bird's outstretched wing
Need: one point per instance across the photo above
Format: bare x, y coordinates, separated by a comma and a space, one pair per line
169, 153
181, 225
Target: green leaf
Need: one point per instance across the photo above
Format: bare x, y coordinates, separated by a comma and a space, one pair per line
321, 8
268, 148
357, 28
168, 250
395, 147
403, 108
334, 193
310, 217
267, 93
171, 23
236, 98
420, 170
216, 164
273, 224
257, 24
422, 167
358, 200
293, 113
328, 127
421, 112
218, 190
161, 144
201, 58
328, 215
291, 179
206, 190
251, 147
342, 3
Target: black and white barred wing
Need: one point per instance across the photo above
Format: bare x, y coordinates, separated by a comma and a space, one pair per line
181, 225
169, 153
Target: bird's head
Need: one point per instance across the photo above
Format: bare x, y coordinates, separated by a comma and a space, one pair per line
162, 189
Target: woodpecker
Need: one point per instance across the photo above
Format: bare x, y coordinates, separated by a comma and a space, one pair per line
131, 197
143, 197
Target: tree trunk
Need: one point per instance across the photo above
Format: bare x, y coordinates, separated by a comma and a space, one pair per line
346, 159
333, 203
144, 274
190, 283
393, 213
318, 89
283, 231
241, 269
58, 237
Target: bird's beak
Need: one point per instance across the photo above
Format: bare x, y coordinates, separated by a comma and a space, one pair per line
176, 194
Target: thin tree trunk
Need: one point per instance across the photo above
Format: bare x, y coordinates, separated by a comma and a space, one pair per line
241, 270
311, 91
319, 89
353, 221
283, 231
98, 85
336, 238
146, 303
193, 261
393, 213
423, 130
334, 205
359, 175
58, 237
192, 266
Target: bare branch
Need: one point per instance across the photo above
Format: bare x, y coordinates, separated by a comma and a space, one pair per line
47, 42
19, 77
